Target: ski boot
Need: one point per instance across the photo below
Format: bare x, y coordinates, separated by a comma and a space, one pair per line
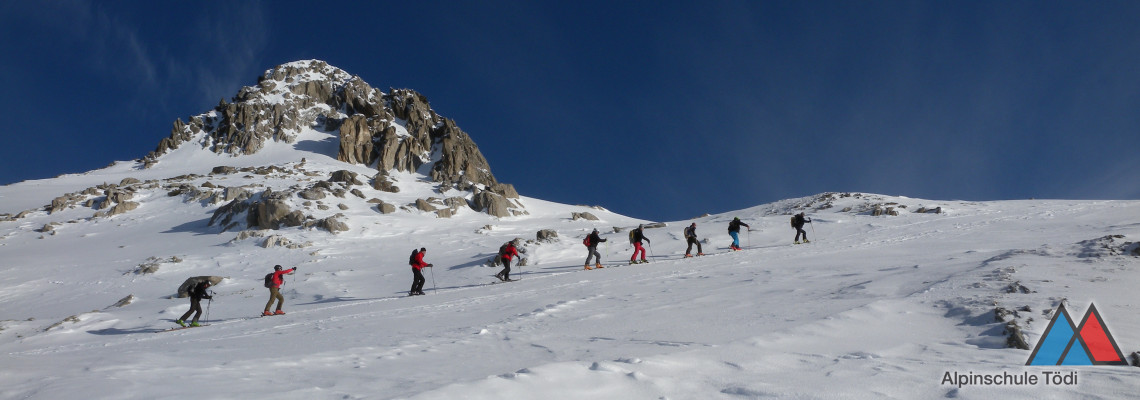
181, 322
687, 255
644, 261
587, 266
266, 313
700, 254
195, 324
807, 241
599, 266
797, 242
279, 312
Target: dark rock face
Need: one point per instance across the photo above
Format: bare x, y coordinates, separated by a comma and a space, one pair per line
397, 130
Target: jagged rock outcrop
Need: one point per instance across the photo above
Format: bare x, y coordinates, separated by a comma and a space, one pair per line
393, 130
492, 203
383, 183
273, 214
356, 141
62, 202
272, 210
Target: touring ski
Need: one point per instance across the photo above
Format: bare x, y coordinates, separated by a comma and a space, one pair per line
180, 328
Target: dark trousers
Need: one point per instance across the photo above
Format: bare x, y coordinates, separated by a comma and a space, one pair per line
693, 241
593, 254
195, 306
800, 230
275, 296
506, 272
417, 281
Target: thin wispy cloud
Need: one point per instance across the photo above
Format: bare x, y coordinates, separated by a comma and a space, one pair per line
230, 44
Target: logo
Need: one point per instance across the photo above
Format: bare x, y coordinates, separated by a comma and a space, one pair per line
1064, 343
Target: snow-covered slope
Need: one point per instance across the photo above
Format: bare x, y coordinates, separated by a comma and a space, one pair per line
875, 306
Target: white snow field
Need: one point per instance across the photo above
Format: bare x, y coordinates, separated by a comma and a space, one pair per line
874, 307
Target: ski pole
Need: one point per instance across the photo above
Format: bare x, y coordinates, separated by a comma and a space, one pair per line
208, 303
813, 230
749, 237
434, 289
519, 264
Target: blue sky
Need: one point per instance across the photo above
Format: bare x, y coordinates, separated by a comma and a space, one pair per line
659, 110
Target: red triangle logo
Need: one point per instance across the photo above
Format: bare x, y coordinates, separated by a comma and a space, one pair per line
1100, 344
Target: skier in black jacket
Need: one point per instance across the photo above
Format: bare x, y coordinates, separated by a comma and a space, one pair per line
592, 249
798, 222
691, 238
197, 293
734, 231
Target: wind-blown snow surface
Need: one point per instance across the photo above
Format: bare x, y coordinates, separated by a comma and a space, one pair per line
874, 307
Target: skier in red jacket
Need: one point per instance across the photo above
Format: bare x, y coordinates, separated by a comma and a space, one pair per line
275, 290
505, 253
417, 263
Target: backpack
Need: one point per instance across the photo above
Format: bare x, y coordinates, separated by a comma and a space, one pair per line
503, 250
793, 221
586, 241
689, 233
269, 280
631, 235
412, 258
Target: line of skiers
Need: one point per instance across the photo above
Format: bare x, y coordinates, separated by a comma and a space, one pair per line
636, 236
507, 252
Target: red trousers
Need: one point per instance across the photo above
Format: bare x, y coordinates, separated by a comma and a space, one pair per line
636, 248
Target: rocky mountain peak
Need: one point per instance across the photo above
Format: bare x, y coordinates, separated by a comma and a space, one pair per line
393, 130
